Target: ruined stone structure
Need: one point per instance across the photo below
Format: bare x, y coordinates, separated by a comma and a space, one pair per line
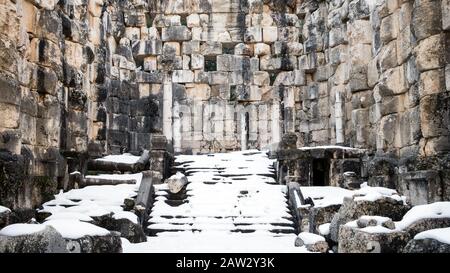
84, 78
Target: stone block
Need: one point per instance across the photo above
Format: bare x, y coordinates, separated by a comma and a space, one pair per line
434, 115
430, 53
445, 14
243, 49
360, 32
432, 82
421, 187
218, 77
197, 61
358, 78
150, 63
261, 78
394, 81
389, 28
253, 35
447, 77
294, 48
388, 56
193, 20
176, 33
426, 19
261, 49
270, 34
182, 76
211, 48
191, 47
147, 48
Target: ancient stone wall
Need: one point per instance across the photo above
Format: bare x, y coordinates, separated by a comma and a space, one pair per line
67, 92
82, 78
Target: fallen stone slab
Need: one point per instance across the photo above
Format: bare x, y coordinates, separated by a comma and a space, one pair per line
384, 236
127, 228
354, 240
110, 243
426, 246
368, 201
176, 182
84, 237
312, 242
430, 241
31, 238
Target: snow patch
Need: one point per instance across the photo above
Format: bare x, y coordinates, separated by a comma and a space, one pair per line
69, 215
21, 229
4, 209
429, 211
310, 238
375, 193
440, 234
126, 215
74, 229
215, 242
326, 196
123, 158
324, 229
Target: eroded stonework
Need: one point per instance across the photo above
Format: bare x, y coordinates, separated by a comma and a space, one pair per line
80, 79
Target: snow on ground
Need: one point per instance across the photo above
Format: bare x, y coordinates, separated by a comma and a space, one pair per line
310, 238
123, 158
233, 163
215, 242
91, 201
21, 229
4, 209
227, 194
440, 234
74, 229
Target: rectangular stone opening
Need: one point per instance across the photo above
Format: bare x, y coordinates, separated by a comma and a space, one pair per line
320, 168
183, 20
210, 63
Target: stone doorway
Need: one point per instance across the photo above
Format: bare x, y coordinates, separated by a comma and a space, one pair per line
320, 172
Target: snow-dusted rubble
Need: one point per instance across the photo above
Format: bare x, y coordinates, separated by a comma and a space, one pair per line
93, 201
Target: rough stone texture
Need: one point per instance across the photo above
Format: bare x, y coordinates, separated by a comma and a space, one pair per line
95, 244
352, 240
352, 210
321, 246
81, 79
426, 246
127, 229
46, 241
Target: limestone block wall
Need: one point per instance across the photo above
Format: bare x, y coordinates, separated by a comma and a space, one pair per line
82, 78
67, 92
375, 79
227, 71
